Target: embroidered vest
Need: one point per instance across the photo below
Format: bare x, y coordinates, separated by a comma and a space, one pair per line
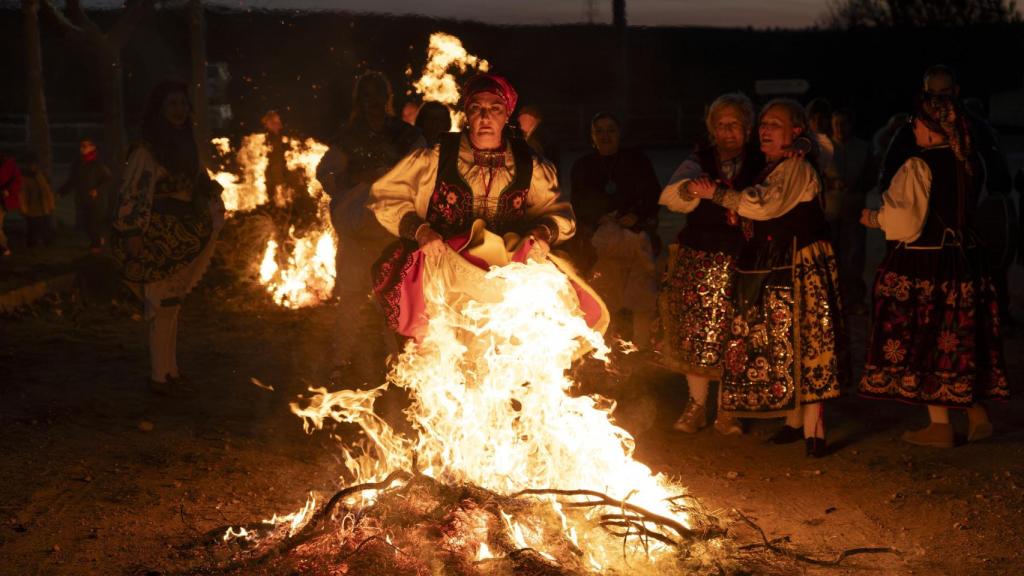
450, 210
713, 228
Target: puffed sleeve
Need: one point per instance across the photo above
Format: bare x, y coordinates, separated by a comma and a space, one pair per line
672, 196
905, 203
399, 198
791, 182
136, 196
546, 205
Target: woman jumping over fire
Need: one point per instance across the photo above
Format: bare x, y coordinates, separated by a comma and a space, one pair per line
432, 199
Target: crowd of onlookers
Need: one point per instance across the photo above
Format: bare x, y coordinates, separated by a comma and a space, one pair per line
26, 188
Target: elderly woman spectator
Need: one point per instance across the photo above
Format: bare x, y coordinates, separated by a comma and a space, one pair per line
781, 356
695, 306
615, 198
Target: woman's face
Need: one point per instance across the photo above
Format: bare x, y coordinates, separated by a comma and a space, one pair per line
777, 131
925, 136
605, 133
175, 109
729, 131
487, 116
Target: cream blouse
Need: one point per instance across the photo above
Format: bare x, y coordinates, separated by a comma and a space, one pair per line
408, 186
905, 204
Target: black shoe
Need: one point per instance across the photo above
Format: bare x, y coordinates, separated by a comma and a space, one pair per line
787, 435
816, 447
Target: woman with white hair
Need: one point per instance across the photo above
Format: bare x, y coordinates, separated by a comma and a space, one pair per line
695, 303
781, 357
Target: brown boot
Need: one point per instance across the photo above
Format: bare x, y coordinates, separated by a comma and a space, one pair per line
693, 418
935, 435
978, 425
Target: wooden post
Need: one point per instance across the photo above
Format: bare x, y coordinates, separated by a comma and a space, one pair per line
38, 122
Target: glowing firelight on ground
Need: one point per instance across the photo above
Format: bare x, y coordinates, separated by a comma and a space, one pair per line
491, 406
437, 83
302, 272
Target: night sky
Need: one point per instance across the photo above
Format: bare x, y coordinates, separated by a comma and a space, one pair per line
726, 13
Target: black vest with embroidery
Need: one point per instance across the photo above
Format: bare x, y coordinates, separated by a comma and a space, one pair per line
450, 211
713, 228
952, 196
805, 223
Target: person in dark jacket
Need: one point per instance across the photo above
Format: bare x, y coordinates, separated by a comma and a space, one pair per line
615, 198
87, 182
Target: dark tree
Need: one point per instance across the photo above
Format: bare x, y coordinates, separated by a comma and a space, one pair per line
844, 14
106, 46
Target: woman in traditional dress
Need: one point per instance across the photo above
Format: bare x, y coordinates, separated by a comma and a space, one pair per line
695, 306
167, 222
434, 197
935, 333
781, 356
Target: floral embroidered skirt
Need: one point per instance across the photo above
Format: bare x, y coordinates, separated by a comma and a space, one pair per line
783, 347
935, 336
175, 236
695, 309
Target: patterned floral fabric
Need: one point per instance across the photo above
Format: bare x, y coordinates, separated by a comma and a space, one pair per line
174, 226
935, 338
782, 349
695, 308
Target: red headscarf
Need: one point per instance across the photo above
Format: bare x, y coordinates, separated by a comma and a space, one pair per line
491, 84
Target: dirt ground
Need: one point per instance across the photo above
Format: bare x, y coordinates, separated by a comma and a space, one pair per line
100, 476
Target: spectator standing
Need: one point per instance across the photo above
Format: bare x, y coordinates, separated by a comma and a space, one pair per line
10, 195
855, 171
615, 198
87, 182
37, 202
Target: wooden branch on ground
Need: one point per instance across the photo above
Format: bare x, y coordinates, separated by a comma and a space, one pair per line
605, 500
770, 546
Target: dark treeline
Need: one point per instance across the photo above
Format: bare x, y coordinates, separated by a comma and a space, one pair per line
304, 64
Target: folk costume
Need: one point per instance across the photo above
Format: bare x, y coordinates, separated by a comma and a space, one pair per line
695, 304
935, 336
450, 187
177, 212
782, 350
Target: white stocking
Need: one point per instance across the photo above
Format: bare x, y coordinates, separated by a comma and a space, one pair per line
698, 388
814, 420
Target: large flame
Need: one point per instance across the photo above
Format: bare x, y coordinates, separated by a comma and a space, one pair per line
491, 404
437, 83
302, 271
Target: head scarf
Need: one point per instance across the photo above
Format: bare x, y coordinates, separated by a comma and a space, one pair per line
491, 84
942, 114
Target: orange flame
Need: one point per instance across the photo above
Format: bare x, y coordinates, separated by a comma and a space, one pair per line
491, 403
307, 275
436, 82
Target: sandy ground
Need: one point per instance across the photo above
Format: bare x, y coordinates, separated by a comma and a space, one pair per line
100, 476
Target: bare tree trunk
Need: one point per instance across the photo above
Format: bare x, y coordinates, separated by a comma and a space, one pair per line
112, 92
39, 124
197, 38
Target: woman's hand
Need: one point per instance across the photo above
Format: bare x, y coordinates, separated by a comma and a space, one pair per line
431, 243
869, 218
702, 188
540, 249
